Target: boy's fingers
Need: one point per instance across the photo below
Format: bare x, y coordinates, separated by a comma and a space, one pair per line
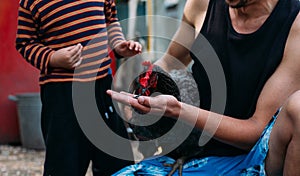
138, 47
76, 49
78, 62
69, 48
76, 56
131, 45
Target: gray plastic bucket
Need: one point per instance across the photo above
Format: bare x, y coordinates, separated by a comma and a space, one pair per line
29, 114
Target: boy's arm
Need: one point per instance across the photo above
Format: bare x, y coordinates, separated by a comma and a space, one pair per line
117, 42
28, 43
114, 30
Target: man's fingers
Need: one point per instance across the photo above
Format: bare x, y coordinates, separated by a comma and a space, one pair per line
119, 97
142, 103
146, 101
109, 92
128, 99
142, 100
149, 105
126, 93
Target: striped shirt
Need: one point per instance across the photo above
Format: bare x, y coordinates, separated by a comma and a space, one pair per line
45, 26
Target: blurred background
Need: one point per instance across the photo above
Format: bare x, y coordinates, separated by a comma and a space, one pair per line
21, 145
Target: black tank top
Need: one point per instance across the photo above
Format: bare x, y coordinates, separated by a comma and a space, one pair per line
248, 60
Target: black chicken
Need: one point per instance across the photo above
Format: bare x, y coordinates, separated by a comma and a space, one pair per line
153, 80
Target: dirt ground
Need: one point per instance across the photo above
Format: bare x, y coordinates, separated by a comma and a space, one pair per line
19, 161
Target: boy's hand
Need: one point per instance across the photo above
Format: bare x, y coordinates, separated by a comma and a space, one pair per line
128, 48
68, 58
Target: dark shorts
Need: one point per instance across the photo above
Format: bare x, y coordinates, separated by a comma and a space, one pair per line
68, 151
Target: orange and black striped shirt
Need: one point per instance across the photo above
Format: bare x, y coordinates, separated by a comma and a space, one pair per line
45, 26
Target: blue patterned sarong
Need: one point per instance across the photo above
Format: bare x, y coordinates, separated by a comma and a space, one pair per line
250, 164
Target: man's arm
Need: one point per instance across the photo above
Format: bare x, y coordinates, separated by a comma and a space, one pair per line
284, 82
286, 78
179, 48
237, 132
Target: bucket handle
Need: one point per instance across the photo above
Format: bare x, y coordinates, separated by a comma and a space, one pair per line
12, 98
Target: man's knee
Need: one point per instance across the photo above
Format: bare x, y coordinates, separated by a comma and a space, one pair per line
292, 107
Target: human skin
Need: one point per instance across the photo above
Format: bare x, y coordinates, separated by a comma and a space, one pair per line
281, 89
70, 57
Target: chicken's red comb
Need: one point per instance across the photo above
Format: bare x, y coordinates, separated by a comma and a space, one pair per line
147, 81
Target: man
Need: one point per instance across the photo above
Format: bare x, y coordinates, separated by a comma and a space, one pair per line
257, 42
68, 42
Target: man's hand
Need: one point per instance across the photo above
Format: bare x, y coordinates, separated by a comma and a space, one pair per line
166, 105
68, 58
128, 48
